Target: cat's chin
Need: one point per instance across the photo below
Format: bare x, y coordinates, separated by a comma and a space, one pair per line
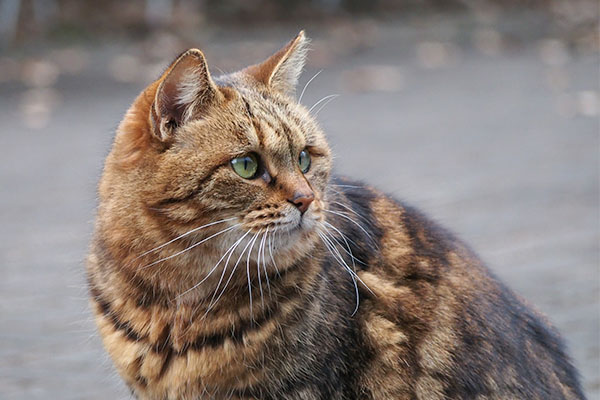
297, 237
304, 225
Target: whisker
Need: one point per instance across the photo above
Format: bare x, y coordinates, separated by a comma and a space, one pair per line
271, 255
341, 214
308, 83
264, 262
322, 100
211, 305
325, 104
227, 264
349, 251
190, 247
258, 272
346, 239
229, 250
248, 274
350, 209
339, 258
355, 274
184, 235
330, 187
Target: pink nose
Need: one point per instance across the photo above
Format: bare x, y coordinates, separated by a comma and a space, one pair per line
302, 200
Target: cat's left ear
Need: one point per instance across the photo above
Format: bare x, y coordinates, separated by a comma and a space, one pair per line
282, 70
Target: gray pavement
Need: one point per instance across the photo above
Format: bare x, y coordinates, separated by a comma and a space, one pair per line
499, 142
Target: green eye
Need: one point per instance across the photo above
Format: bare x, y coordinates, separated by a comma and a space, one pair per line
304, 161
246, 166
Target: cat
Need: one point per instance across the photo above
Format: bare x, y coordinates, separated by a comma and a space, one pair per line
227, 263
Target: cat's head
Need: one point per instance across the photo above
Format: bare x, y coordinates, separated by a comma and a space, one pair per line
193, 150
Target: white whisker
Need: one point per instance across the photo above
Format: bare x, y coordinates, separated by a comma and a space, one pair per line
349, 251
248, 274
271, 254
229, 251
227, 264
190, 247
331, 247
324, 104
212, 304
343, 215
264, 262
308, 83
345, 264
349, 209
340, 259
258, 271
322, 100
348, 186
184, 235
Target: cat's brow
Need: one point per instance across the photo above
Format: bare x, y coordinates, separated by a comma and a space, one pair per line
275, 130
257, 122
289, 129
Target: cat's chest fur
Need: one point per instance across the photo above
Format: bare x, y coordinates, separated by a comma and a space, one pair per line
422, 329
299, 343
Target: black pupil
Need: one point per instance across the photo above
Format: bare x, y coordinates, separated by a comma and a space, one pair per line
245, 163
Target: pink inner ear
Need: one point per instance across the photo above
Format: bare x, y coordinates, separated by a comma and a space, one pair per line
169, 106
181, 87
187, 85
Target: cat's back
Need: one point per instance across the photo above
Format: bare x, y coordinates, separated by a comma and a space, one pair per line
439, 324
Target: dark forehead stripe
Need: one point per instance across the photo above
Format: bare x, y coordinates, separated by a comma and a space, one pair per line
281, 131
257, 123
283, 120
248, 109
287, 123
293, 120
289, 135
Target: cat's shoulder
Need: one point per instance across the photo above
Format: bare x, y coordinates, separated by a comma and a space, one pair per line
383, 213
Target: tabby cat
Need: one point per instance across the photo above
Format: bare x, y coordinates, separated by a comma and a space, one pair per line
228, 264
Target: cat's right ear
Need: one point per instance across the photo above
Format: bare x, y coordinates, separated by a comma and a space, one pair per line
185, 91
281, 71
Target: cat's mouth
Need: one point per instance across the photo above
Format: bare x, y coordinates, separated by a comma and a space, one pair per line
303, 224
295, 236
287, 220
289, 231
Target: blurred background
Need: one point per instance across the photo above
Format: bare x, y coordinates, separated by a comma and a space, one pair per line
485, 114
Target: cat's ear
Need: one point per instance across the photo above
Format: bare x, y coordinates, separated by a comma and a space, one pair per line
282, 70
185, 91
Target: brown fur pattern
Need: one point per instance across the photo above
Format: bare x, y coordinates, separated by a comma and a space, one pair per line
206, 285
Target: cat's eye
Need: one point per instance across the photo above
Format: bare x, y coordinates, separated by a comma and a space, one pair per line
304, 161
246, 166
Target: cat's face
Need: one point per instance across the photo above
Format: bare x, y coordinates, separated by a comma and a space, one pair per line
258, 157
237, 149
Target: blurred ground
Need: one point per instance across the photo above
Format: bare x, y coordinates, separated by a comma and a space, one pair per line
492, 129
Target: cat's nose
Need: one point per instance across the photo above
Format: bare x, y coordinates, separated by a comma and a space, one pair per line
302, 200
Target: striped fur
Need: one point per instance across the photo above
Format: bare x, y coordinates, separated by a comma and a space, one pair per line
261, 302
